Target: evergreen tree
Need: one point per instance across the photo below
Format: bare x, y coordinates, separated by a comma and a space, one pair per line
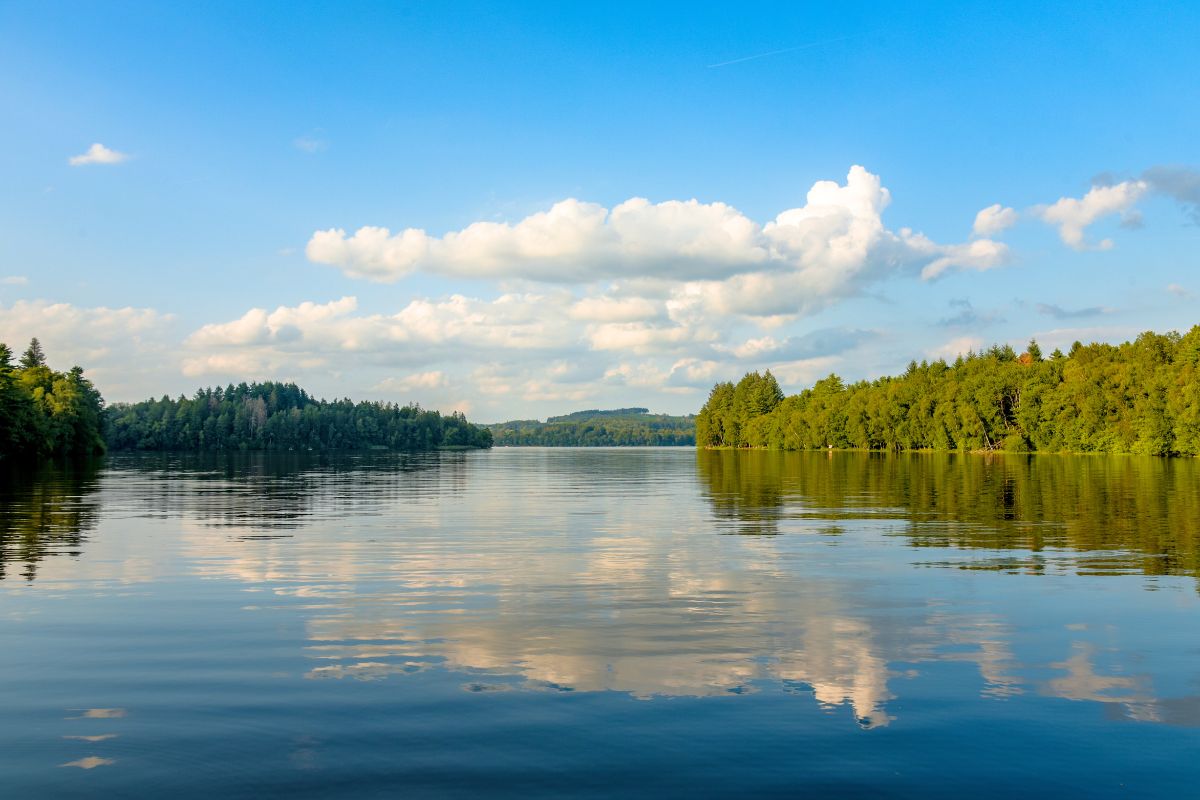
33, 356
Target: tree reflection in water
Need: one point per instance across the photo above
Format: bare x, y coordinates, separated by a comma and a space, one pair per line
45, 510
1110, 514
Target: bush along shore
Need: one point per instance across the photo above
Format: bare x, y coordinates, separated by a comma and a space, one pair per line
1139, 397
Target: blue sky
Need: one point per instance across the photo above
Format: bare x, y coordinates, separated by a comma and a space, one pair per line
196, 252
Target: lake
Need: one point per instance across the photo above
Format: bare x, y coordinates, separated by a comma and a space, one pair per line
600, 622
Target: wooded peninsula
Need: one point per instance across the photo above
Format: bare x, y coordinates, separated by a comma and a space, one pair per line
49, 413
619, 427
1137, 397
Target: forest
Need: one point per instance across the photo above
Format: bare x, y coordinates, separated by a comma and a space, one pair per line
621, 427
44, 412
1137, 397
282, 416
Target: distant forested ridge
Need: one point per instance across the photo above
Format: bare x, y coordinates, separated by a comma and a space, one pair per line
621, 427
282, 416
1137, 397
46, 413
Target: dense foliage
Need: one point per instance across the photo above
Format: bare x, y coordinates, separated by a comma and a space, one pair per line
1137, 397
622, 427
46, 413
282, 416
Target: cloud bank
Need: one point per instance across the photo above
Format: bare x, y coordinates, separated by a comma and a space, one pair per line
831, 246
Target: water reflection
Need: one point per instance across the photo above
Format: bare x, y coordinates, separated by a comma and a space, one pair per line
605, 571
1114, 514
45, 511
273, 493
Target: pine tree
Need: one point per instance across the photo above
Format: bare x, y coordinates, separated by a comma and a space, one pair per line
33, 357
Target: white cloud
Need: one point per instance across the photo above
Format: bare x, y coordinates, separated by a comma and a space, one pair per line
813, 344
805, 371
956, 347
433, 379
1072, 215
122, 349
312, 335
97, 154
1179, 290
572, 241
827, 247
979, 255
993, 220
15, 280
613, 309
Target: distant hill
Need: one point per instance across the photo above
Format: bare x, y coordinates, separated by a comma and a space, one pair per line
593, 413
618, 427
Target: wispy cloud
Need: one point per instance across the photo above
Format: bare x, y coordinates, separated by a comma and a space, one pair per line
1058, 312
968, 316
780, 52
1178, 290
15, 280
97, 154
1180, 183
310, 144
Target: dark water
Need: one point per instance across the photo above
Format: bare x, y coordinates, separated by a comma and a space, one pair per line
601, 622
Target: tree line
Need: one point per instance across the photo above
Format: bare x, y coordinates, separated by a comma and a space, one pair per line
1137, 397
282, 416
44, 413
624, 427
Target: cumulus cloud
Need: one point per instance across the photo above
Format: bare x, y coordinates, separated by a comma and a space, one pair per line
97, 154
830, 245
1073, 215
539, 347
993, 220
312, 335
102, 340
616, 309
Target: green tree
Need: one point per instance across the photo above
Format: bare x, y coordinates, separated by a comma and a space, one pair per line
33, 355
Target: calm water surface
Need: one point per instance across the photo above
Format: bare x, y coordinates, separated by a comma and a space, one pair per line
654, 622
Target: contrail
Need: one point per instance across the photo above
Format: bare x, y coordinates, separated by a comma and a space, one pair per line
779, 52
